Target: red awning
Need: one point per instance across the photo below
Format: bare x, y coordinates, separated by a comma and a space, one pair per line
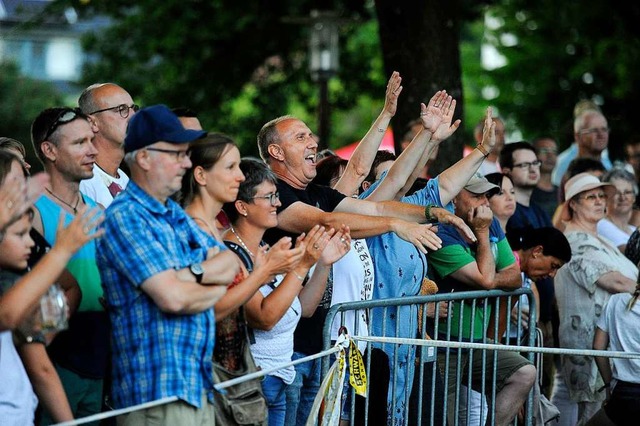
387, 144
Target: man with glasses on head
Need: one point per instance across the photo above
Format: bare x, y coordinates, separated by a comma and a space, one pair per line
63, 141
162, 275
109, 108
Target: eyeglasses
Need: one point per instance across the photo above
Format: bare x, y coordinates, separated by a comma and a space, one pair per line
604, 130
593, 197
65, 116
528, 164
123, 109
625, 194
179, 154
273, 198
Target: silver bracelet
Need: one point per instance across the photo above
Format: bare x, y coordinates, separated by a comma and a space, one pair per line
298, 276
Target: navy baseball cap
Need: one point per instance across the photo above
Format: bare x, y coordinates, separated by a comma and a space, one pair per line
157, 124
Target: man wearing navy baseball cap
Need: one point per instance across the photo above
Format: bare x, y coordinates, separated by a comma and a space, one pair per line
157, 268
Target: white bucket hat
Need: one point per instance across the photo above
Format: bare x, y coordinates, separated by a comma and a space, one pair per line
580, 183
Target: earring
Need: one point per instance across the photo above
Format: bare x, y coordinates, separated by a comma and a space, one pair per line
245, 214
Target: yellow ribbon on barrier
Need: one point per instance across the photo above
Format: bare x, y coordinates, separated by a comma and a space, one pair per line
357, 371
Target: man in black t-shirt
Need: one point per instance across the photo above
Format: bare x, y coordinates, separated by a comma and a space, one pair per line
290, 148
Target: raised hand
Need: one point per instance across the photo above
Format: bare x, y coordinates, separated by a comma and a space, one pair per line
82, 229
338, 246
422, 236
446, 128
393, 92
446, 217
432, 113
489, 131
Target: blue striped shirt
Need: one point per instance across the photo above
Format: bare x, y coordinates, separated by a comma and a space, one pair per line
155, 355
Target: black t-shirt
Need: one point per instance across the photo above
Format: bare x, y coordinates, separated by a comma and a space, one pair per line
322, 197
308, 335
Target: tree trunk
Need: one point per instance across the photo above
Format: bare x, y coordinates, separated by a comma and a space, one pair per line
421, 41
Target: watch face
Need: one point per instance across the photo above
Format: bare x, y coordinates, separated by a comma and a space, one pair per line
196, 268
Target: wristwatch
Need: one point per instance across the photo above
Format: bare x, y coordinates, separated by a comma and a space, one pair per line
427, 214
197, 271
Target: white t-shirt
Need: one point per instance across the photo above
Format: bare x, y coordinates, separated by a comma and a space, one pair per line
275, 347
624, 335
607, 229
17, 400
353, 280
489, 167
97, 188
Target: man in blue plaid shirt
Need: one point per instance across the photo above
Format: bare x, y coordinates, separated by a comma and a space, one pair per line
161, 276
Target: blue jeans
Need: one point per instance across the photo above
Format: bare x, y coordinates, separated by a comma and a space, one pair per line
274, 390
302, 392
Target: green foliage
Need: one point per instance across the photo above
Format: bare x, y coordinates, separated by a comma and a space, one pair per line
567, 51
21, 100
236, 63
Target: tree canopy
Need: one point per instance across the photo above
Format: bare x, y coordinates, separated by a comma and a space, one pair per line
240, 64
558, 53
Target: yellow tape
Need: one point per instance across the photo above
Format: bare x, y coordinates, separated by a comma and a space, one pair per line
357, 372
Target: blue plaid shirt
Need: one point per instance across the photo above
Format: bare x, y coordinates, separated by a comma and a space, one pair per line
155, 355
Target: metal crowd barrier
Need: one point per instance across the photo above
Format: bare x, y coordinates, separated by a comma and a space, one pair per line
422, 408
413, 328
529, 345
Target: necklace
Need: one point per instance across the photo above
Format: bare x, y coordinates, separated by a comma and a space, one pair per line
74, 208
244, 246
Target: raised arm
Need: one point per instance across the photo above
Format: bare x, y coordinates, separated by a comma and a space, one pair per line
362, 158
20, 299
263, 312
453, 179
408, 165
312, 293
300, 217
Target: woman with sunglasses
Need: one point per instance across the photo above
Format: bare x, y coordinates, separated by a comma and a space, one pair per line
597, 270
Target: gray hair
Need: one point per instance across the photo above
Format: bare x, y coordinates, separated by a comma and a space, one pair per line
268, 135
620, 173
578, 122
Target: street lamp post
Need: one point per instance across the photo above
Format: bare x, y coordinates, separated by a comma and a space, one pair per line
323, 64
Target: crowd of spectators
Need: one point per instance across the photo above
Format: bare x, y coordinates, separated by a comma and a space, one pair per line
167, 254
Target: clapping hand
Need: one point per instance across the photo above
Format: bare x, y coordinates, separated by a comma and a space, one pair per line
82, 229
280, 258
338, 246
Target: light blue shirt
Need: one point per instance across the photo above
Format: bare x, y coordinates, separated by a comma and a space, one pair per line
567, 156
399, 269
